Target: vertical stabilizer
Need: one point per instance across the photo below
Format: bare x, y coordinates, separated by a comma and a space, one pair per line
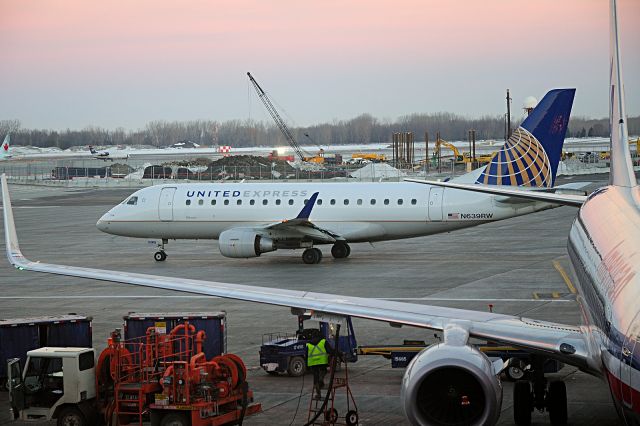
4, 151
531, 155
621, 167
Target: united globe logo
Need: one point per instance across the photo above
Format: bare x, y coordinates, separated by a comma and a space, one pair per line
522, 161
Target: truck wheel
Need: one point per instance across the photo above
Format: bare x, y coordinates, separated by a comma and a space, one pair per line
174, 419
297, 366
515, 371
71, 416
351, 418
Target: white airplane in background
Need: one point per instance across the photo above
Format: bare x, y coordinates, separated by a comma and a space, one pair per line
247, 218
106, 155
4, 152
452, 382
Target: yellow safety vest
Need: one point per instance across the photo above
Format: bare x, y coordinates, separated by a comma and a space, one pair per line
317, 354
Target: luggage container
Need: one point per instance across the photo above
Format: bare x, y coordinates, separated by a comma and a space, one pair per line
214, 324
20, 335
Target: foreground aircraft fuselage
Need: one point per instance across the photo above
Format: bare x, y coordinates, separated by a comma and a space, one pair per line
605, 254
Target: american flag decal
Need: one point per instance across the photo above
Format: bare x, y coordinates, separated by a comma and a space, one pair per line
453, 216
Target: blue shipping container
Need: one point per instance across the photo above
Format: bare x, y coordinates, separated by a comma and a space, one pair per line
213, 324
18, 336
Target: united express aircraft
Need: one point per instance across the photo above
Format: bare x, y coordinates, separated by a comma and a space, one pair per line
452, 382
249, 219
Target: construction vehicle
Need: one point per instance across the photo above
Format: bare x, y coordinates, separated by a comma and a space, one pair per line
458, 157
287, 353
162, 377
20, 335
300, 153
374, 158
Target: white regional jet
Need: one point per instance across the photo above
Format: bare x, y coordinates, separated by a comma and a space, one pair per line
249, 219
107, 155
452, 382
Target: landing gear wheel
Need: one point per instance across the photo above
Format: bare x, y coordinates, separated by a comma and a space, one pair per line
160, 256
340, 250
71, 416
311, 256
351, 418
557, 403
515, 371
331, 416
522, 403
297, 366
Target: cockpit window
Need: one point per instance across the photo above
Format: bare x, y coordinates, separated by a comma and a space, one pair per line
132, 201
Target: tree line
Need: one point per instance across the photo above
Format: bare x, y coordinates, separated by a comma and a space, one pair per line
246, 133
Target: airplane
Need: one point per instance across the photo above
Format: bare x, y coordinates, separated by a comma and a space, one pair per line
247, 218
4, 152
452, 382
106, 155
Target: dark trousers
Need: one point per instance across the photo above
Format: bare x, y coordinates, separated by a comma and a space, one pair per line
319, 371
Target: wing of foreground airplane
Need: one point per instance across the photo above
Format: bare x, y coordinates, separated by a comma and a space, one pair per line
557, 197
566, 343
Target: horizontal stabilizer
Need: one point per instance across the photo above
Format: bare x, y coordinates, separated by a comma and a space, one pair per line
565, 198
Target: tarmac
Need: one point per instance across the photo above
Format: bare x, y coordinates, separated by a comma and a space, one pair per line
513, 264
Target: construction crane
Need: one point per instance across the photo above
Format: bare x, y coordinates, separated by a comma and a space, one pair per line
279, 121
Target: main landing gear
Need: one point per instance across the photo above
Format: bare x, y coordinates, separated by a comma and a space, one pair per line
535, 394
161, 255
311, 256
340, 250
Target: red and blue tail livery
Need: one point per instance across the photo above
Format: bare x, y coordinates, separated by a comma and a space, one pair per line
531, 155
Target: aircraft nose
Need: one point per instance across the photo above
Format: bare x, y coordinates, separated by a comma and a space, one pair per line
103, 223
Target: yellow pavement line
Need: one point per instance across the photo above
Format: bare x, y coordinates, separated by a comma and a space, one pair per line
564, 276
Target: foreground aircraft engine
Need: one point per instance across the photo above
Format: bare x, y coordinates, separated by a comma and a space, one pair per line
244, 243
451, 385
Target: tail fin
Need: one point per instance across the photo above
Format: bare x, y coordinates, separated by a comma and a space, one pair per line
531, 155
621, 167
91, 150
5, 146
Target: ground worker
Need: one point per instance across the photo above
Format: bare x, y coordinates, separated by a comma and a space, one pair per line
317, 360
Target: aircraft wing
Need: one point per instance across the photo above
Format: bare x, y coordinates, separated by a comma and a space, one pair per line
567, 197
566, 343
301, 226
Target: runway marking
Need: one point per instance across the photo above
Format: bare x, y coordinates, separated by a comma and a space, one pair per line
565, 276
148, 296
548, 296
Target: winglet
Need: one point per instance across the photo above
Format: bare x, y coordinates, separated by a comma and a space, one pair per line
306, 210
11, 238
621, 167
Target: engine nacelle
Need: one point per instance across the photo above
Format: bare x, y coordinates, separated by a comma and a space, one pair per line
451, 385
244, 243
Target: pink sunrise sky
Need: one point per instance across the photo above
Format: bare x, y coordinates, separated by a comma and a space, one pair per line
74, 63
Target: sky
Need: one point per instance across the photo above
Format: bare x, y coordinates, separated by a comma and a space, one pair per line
122, 63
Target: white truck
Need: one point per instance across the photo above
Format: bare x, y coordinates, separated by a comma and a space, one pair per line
56, 383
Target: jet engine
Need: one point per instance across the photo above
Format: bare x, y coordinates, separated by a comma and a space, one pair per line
451, 385
244, 243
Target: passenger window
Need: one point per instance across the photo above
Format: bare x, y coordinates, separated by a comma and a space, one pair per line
278, 202
386, 201
333, 201
290, 202
400, 201
414, 201
265, 202
373, 201
188, 202
305, 201
239, 202
359, 201
319, 202
200, 202
226, 202
252, 202
213, 202
132, 201
346, 202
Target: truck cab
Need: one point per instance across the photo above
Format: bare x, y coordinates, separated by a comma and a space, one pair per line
55, 383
